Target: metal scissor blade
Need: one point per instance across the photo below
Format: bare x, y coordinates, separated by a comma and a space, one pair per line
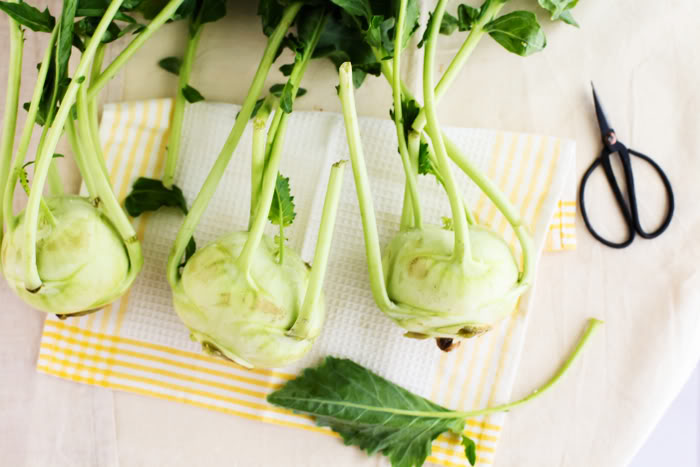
605, 128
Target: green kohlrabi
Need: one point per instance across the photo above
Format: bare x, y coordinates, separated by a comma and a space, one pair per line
65, 254
247, 296
458, 281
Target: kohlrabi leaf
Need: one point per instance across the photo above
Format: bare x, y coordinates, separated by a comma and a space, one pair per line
341, 41
466, 16
560, 9
282, 208
150, 195
409, 112
469, 449
270, 12
28, 16
150, 8
191, 94
64, 39
171, 64
359, 8
368, 411
209, 11
425, 163
276, 90
518, 32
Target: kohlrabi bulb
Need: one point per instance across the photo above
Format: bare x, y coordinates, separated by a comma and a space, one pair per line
246, 318
82, 261
438, 297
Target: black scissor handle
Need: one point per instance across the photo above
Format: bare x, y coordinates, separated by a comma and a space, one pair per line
631, 212
604, 159
669, 196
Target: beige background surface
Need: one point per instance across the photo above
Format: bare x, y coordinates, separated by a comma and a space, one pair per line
643, 56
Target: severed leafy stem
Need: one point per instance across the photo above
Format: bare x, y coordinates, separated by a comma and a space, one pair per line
282, 211
377, 415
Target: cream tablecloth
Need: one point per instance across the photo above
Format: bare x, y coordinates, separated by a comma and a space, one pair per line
643, 56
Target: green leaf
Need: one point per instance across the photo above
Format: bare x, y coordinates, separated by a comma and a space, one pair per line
448, 25
409, 112
341, 41
568, 18
425, 163
28, 16
282, 207
467, 16
518, 32
209, 11
559, 9
171, 64
270, 12
286, 69
362, 407
148, 195
359, 8
469, 449
191, 94
64, 39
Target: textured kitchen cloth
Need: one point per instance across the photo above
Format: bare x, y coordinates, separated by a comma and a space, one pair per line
138, 344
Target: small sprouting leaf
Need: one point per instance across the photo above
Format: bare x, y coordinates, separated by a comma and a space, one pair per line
282, 207
425, 162
449, 24
409, 112
518, 32
191, 94
256, 108
276, 89
150, 195
171, 64
469, 449
365, 409
447, 223
190, 249
28, 16
284, 92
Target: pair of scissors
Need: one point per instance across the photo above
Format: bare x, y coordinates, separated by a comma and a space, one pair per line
630, 212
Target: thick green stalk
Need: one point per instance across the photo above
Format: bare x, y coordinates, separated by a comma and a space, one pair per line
217, 171
410, 174
276, 115
300, 329
26, 136
9, 123
165, 14
257, 166
593, 325
272, 164
32, 281
462, 248
457, 63
79, 154
55, 182
179, 108
267, 191
106, 200
364, 194
92, 110
503, 205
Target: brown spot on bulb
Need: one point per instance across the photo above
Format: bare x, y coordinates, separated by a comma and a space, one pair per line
446, 344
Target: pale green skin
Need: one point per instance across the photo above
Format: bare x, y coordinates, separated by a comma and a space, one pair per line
438, 297
246, 321
81, 260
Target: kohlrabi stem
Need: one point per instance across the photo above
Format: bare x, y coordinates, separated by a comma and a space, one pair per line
455, 66
269, 183
106, 200
364, 194
79, 154
257, 166
410, 174
165, 14
179, 108
413, 150
502, 204
32, 281
55, 182
92, 109
25, 138
9, 122
276, 115
217, 171
267, 191
300, 329
593, 324
462, 248
44, 208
